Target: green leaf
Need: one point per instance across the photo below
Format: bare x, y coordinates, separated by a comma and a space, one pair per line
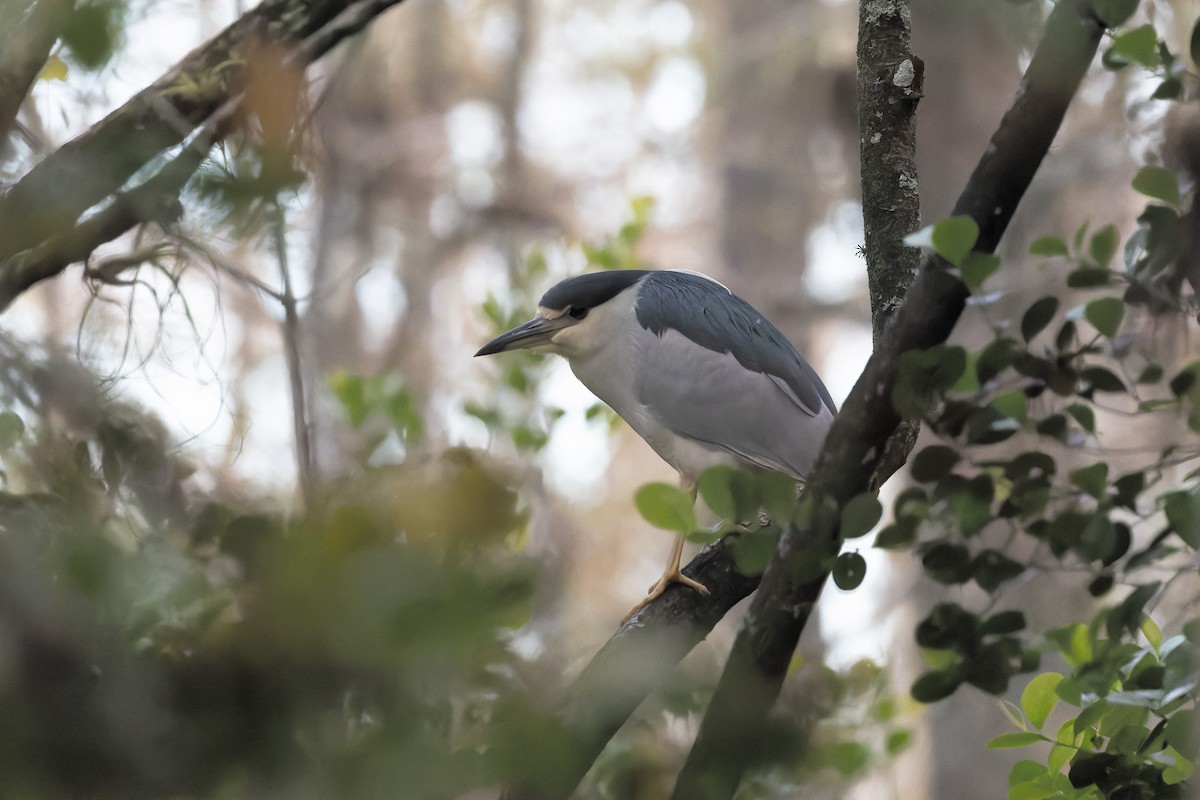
1073, 642
1105, 314
351, 391
1157, 183
1139, 45
948, 625
1170, 89
1092, 479
849, 571
848, 757
665, 506
923, 374
934, 463
1090, 716
954, 238
714, 488
12, 427
1007, 740
1049, 245
860, 515
752, 551
1083, 415
977, 267
934, 686
1014, 405
1126, 616
90, 32
1103, 380
1183, 513
1183, 734
1089, 277
778, 495
947, 563
1038, 316
1152, 633
991, 568
1039, 699
1114, 12
897, 742
897, 535
1104, 245
998, 356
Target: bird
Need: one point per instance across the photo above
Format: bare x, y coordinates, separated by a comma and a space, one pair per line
694, 369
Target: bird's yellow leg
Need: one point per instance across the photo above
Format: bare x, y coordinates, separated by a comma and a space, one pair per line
672, 573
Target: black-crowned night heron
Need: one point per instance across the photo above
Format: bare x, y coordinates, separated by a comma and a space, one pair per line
694, 369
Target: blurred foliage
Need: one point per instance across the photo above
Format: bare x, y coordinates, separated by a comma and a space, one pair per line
228, 652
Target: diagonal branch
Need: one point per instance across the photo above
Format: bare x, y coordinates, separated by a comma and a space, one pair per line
758, 662
98, 163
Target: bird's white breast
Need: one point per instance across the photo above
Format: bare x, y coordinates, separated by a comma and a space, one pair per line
604, 353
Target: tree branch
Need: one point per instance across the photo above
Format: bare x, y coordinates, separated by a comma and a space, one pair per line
97, 163
634, 662
757, 665
27, 45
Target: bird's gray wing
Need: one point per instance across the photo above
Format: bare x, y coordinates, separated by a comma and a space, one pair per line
709, 315
711, 397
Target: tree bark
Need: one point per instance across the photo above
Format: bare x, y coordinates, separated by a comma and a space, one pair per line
38, 220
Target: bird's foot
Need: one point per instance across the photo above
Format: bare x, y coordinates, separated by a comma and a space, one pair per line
669, 577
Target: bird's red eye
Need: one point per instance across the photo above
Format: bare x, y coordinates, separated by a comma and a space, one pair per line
578, 313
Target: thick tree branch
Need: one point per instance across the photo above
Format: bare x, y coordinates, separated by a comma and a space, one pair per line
97, 163
890, 83
27, 44
757, 665
634, 662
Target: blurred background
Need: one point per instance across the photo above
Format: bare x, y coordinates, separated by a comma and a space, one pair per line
476, 540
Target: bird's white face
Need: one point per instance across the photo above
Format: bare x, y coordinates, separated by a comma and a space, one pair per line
585, 337
569, 332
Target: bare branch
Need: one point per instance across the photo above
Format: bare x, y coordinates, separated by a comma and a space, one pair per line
97, 163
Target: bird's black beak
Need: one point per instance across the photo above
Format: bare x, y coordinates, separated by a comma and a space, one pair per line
526, 336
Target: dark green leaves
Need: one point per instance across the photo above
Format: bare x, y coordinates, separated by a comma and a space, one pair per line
1183, 513
981, 652
1091, 479
1114, 12
1038, 316
1105, 314
849, 570
1126, 616
1104, 245
860, 515
91, 31
991, 568
923, 375
934, 463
